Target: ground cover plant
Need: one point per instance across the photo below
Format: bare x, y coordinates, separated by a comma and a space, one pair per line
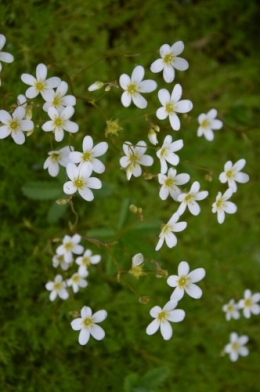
147, 279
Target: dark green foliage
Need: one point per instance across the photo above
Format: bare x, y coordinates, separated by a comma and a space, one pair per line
85, 41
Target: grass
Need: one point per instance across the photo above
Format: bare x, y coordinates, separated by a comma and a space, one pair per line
82, 42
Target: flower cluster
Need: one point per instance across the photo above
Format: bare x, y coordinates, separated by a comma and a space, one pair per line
249, 305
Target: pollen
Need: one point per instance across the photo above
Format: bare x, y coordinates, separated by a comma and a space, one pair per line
230, 174
86, 261
14, 125
40, 86
57, 286
205, 123
79, 183
189, 197
57, 100
219, 204
68, 246
169, 182
182, 282
87, 322
248, 303
75, 278
87, 156
58, 122
132, 89
55, 157
168, 58
235, 346
169, 107
162, 315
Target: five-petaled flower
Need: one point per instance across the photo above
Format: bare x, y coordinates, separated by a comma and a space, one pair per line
60, 122
39, 85
69, 246
81, 181
87, 325
134, 157
162, 317
222, 205
249, 303
134, 86
172, 105
57, 288
15, 125
208, 123
231, 310
58, 98
77, 280
86, 260
167, 153
189, 199
167, 232
56, 158
232, 174
236, 346
169, 183
4, 56
90, 154
185, 280
170, 60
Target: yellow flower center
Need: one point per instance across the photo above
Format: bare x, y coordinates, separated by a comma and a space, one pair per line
219, 204
248, 303
230, 174
40, 86
162, 315
169, 107
75, 278
57, 100
137, 271
168, 58
235, 346
87, 322
167, 229
79, 183
68, 246
230, 308
87, 156
58, 122
86, 261
205, 123
188, 197
169, 182
14, 125
57, 286
55, 157
131, 88
182, 282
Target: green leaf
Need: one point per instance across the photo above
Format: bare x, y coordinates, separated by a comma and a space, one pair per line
56, 212
42, 190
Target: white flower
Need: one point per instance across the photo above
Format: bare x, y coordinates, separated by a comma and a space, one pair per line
170, 183
87, 325
231, 310
162, 317
77, 280
172, 105
90, 154
167, 232
134, 86
249, 303
39, 85
70, 245
56, 158
208, 123
58, 99
135, 156
185, 280
86, 260
58, 287
22, 101
236, 346
221, 205
189, 199
81, 181
169, 61
137, 266
58, 260
167, 152
232, 174
4, 57
15, 125
60, 122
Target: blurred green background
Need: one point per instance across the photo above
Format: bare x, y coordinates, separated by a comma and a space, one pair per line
85, 41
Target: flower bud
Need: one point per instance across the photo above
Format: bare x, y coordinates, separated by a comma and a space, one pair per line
152, 137
95, 86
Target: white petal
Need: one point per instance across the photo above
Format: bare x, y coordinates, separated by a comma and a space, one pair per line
166, 330
183, 268
180, 64
168, 73
126, 99
139, 101
97, 332
137, 74
41, 71
124, 81
176, 93
147, 86
194, 291
183, 106
84, 336
152, 327
197, 275
177, 48
157, 66
164, 96
175, 122
176, 316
